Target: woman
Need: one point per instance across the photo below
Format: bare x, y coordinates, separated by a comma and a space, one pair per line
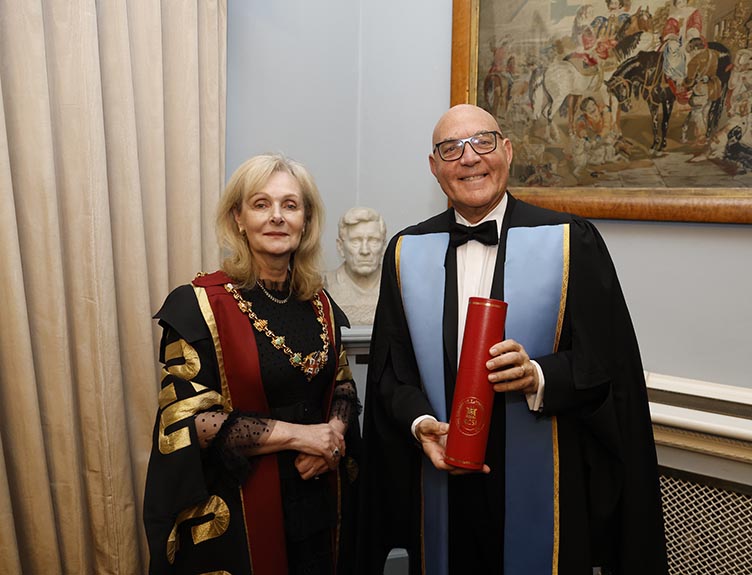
251, 468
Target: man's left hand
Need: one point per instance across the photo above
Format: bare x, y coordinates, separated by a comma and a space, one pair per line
511, 368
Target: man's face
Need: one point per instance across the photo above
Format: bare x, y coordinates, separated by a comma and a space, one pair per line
474, 183
362, 247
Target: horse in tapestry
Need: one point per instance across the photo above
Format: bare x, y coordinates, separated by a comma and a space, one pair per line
642, 76
550, 86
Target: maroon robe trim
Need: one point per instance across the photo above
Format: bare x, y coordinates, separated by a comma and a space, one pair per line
263, 515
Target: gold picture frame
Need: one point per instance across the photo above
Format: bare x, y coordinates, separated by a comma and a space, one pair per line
723, 205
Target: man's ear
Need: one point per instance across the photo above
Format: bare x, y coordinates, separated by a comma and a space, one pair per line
507, 145
340, 248
432, 164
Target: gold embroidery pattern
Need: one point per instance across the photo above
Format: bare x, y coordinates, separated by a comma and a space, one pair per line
217, 520
555, 442
312, 363
554, 422
422, 519
206, 311
564, 286
174, 411
338, 530
344, 373
397, 253
188, 368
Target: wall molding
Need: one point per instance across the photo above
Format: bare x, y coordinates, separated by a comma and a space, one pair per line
698, 388
701, 417
703, 443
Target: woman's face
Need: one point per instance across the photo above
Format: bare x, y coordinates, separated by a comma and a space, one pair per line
273, 219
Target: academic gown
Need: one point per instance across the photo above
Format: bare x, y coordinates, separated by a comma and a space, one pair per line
609, 495
199, 505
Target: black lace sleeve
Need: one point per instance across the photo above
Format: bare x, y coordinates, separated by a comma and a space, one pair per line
232, 438
345, 404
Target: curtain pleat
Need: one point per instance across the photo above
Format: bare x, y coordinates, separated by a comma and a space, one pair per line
212, 66
182, 154
26, 509
111, 163
38, 419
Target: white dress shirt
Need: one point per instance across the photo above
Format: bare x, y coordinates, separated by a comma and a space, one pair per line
476, 263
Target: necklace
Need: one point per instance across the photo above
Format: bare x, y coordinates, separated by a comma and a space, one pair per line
312, 363
271, 297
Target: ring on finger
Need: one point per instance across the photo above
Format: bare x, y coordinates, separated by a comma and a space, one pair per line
335, 452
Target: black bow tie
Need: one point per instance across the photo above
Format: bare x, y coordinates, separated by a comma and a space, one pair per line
484, 233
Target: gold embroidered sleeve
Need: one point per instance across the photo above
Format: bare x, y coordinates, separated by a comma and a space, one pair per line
182, 396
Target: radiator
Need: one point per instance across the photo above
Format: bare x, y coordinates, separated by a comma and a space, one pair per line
708, 528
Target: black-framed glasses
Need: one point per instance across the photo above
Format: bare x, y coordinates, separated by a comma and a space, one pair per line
482, 143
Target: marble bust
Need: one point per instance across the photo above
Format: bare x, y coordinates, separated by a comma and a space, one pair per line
354, 285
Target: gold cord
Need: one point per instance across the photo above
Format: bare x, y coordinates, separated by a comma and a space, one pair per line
312, 363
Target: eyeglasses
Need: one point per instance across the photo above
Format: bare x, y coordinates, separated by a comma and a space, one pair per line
482, 143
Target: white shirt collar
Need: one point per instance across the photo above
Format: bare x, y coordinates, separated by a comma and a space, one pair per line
496, 214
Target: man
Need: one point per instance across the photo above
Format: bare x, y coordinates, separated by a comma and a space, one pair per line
354, 285
570, 482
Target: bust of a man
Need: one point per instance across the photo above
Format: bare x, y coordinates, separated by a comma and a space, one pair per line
354, 285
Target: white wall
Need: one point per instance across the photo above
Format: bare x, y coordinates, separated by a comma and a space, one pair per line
689, 290
352, 88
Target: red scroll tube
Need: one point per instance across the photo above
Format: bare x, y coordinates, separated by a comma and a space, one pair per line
473, 395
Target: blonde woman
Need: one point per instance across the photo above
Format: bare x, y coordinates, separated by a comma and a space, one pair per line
252, 467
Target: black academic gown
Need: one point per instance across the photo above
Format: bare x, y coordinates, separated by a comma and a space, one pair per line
610, 509
184, 483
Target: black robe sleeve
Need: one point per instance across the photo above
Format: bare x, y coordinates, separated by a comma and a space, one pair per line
190, 383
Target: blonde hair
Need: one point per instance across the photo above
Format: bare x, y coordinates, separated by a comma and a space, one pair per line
240, 264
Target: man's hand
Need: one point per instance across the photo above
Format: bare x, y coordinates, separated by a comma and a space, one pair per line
432, 435
511, 369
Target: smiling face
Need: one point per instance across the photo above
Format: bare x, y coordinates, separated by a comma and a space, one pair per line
273, 219
474, 183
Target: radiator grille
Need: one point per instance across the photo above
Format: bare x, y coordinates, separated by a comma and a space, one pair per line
708, 530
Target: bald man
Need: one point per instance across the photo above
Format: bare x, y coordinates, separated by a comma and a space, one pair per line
570, 482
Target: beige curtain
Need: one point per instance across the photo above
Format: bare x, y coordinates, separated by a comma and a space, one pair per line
111, 160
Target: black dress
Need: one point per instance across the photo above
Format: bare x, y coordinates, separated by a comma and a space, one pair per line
308, 506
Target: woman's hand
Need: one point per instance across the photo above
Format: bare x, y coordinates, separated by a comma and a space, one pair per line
310, 466
320, 440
